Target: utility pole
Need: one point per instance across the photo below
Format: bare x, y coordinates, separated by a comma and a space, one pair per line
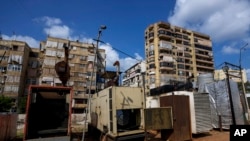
225, 69
102, 27
243, 84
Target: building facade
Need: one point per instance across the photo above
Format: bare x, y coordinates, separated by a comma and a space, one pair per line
82, 70
234, 75
135, 75
175, 53
13, 66
22, 66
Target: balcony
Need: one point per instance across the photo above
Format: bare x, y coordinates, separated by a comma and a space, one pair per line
80, 106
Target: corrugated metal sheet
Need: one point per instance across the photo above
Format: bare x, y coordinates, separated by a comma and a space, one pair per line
203, 114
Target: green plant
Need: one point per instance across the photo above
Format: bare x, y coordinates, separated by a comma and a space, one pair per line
5, 103
22, 105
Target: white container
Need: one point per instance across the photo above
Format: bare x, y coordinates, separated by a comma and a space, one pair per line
152, 102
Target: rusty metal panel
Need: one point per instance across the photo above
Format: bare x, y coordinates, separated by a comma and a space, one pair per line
158, 118
8, 124
181, 115
37, 104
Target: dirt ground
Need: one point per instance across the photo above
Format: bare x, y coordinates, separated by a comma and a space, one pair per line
214, 135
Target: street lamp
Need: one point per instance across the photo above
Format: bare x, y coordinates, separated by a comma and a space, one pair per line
242, 81
101, 28
225, 69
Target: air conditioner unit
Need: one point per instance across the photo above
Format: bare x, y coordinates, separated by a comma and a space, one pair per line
87, 77
3, 71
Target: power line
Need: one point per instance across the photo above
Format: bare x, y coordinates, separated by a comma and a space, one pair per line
122, 52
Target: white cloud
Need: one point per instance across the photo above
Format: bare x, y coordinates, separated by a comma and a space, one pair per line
113, 55
60, 31
29, 40
48, 21
223, 20
229, 50
54, 27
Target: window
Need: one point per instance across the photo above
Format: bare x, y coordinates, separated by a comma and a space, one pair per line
11, 78
14, 67
152, 66
161, 32
82, 84
83, 58
151, 34
2, 69
151, 47
11, 88
152, 80
4, 58
31, 81
164, 44
50, 52
33, 54
151, 53
166, 64
15, 48
81, 74
51, 44
81, 65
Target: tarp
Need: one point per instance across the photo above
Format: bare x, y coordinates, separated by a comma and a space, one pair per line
220, 103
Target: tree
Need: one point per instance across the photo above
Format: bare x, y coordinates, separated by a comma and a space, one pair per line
5, 103
22, 105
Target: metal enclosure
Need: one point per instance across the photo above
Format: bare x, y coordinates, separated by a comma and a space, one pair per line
48, 113
118, 111
202, 114
158, 118
182, 118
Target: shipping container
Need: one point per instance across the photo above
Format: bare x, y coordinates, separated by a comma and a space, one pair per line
48, 113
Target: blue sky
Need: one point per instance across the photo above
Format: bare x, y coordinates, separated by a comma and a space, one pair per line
227, 22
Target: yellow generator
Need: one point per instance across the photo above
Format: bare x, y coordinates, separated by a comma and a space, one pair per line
120, 113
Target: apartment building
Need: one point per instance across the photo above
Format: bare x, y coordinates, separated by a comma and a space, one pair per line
82, 72
234, 75
22, 66
135, 75
175, 53
13, 66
